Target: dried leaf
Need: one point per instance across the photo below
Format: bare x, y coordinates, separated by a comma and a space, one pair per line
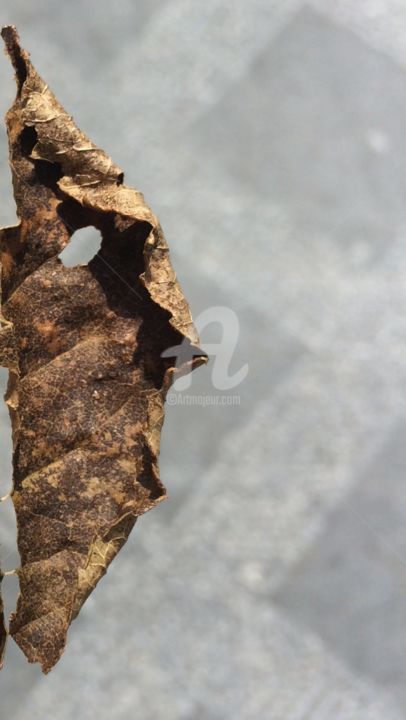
83, 346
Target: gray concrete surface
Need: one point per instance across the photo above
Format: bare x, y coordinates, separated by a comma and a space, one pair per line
270, 139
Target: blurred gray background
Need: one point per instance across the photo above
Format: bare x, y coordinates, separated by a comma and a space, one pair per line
270, 138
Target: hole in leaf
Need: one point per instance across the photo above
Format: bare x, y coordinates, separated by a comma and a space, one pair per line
10, 590
83, 246
6, 448
9, 555
28, 139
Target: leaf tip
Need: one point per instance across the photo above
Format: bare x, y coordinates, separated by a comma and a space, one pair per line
17, 55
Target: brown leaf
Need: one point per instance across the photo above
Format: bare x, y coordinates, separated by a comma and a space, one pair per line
83, 346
